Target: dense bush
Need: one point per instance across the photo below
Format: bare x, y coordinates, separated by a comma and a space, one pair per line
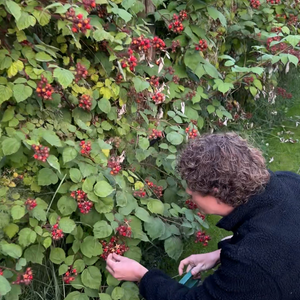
96, 100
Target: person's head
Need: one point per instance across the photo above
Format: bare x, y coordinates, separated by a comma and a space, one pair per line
222, 171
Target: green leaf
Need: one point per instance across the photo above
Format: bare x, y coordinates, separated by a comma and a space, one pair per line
144, 143
39, 213
53, 162
156, 206
253, 90
210, 109
5, 93
26, 237
43, 57
67, 225
63, 76
21, 92
142, 214
215, 14
140, 84
103, 189
66, 205
51, 138
69, 154
15, 10
77, 296
75, 175
101, 34
12, 250
104, 296
258, 84
102, 230
155, 228
17, 212
11, 230
47, 176
175, 138
4, 284
35, 254
91, 247
57, 255
91, 277
25, 21
104, 105
8, 114
10, 146
117, 293
122, 13
79, 265
173, 247
222, 86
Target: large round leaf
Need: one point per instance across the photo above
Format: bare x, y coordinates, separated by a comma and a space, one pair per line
102, 230
103, 189
175, 138
91, 277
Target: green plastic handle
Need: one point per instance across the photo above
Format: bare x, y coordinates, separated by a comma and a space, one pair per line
188, 280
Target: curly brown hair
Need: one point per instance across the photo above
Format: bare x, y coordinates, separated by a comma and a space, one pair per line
225, 166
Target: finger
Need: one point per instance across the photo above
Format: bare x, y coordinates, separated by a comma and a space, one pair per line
182, 265
116, 257
197, 276
189, 267
110, 270
197, 269
110, 261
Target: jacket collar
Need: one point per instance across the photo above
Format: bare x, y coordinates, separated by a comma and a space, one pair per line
256, 204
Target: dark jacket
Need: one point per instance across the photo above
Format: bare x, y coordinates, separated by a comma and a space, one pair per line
262, 259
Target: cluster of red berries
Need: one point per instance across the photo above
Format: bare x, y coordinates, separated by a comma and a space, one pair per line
85, 102
248, 115
89, 4
155, 134
113, 247
283, 93
175, 79
276, 29
273, 1
190, 95
40, 152
102, 11
1, 272
158, 43
44, 89
292, 20
83, 203
201, 215
203, 238
192, 133
85, 148
156, 189
124, 230
201, 46
255, 4
114, 165
25, 278
132, 61
158, 98
175, 45
119, 78
141, 193
79, 24
81, 72
69, 275
57, 234
140, 44
190, 204
30, 203
176, 24
170, 70
248, 80
272, 39
154, 81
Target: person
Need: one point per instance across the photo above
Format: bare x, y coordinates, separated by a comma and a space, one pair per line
228, 177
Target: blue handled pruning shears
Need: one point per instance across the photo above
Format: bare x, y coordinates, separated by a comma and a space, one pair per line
188, 280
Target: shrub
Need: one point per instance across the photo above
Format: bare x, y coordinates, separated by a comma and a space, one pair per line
95, 104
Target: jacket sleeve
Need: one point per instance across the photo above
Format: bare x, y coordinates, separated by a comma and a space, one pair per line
233, 280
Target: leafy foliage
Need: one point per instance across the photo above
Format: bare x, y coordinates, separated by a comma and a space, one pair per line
95, 106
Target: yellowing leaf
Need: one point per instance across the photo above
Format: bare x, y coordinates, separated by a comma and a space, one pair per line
14, 68
106, 152
106, 92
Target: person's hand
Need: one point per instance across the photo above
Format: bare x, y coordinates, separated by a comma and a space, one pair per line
123, 268
199, 262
